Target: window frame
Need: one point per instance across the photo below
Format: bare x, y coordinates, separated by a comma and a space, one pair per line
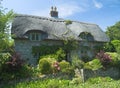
35, 36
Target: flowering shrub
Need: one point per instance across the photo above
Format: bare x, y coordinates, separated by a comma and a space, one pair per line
15, 63
56, 67
15, 67
104, 58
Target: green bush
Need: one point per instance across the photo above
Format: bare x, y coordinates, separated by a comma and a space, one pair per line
23, 72
51, 58
60, 55
14, 67
95, 64
4, 57
65, 67
116, 44
45, 66
77, 63
115, 59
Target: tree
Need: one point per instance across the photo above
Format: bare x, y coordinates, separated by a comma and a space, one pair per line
114, 34
114, 31
116, 44
5, 19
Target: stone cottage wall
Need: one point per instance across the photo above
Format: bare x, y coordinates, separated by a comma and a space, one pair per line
86, 50
24, 47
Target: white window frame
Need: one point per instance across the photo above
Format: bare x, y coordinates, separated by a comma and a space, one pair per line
35, 36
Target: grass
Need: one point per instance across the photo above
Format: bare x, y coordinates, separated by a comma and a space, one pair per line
56, 83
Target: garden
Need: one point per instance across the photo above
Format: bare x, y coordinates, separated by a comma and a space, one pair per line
53, 70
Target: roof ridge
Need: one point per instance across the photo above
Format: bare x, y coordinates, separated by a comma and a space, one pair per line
41, 17
84, 22
52, 19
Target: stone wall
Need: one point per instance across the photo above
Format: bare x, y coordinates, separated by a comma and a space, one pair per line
24, 47
110, 72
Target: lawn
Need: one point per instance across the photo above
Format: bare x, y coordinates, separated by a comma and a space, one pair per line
56, 83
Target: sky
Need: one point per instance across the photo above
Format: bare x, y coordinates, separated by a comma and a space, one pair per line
104, 13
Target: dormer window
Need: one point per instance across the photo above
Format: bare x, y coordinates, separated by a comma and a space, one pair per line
35, 36
86, 36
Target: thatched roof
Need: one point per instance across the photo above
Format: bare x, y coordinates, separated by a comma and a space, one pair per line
56, 28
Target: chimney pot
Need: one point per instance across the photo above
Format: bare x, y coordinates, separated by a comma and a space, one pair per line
54, 12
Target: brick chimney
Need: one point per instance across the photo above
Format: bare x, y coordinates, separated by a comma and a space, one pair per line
54, 12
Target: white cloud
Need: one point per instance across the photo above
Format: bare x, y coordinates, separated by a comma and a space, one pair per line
97, 4
65, 10
69, 9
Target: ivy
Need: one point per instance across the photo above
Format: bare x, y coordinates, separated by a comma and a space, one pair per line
58, 50
45, 49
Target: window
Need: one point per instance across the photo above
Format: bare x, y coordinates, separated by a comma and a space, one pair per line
35, 36
86, 36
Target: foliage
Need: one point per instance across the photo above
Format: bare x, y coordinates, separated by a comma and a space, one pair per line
48, 83
5, 19
56, 67
115, 59
64, 65
114, 31
6, 44
67, 22
23, 72
77, 63
95, 64
14, 67
56, 83
15, 62
66, 68
69, 44
85, 58
60, 55
57, 51
45, 66
116, 44
109, 47
98, 48
76, 81
45, 49
4, 57
114, 34
78, 78
98, 80
104, 58
53, 51
51, 58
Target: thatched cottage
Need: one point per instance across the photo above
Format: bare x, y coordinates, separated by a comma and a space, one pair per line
32, 31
